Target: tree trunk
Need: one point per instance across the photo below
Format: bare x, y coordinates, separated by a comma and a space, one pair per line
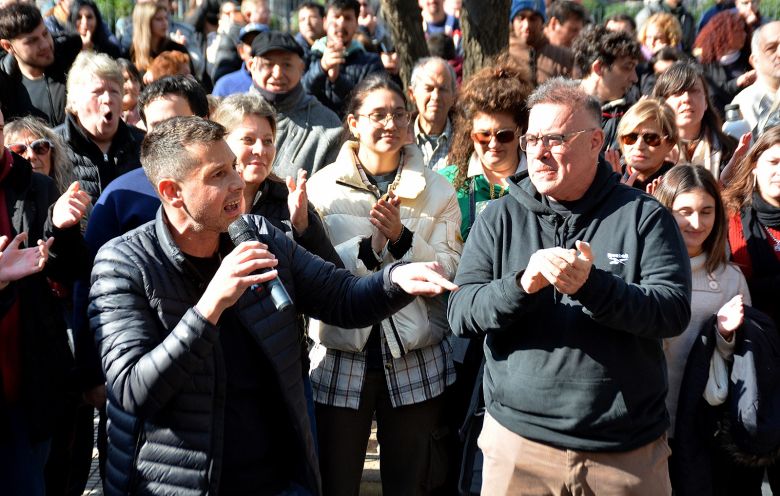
404, 19
485, 26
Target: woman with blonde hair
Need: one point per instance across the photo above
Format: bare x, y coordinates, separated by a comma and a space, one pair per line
250, 122
659, 30
150, 35
647, 133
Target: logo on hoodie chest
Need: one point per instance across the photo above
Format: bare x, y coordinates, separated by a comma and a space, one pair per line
617, 258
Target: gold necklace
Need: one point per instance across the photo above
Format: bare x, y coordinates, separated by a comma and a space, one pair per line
501, 192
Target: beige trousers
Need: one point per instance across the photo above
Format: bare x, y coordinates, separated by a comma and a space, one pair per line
515, 465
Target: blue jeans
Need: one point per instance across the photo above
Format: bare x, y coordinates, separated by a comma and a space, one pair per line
22, 461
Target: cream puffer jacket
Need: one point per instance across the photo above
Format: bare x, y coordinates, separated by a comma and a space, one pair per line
429, 208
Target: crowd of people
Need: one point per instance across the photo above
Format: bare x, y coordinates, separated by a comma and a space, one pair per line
244, 246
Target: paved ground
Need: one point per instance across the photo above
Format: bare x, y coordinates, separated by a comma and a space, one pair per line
371, 485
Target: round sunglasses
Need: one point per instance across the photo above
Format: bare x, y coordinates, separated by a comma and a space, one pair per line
651, 139
502, 136
39, 147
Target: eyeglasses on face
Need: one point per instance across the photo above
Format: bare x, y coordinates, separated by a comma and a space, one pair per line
400, 118
39, 147
651, 139
548, 140
502, 136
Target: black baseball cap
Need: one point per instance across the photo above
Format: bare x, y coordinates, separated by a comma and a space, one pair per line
275, 40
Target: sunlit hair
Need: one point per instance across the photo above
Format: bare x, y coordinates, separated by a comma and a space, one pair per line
650, 109
598, 43
141, 49
738, 194
231, 111
685, 178
667, 24
164, 151
89, 66
682, 76
169, 63
501, 87
724, 33
61, 167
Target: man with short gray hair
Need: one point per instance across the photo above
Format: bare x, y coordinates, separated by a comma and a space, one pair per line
573, 279
757, 98
433, 89
101, 146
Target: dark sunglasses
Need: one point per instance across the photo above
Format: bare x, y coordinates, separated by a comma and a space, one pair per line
502, 136
39, 147
651, 139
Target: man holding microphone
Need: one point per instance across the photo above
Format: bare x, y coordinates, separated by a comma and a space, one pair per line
203, 372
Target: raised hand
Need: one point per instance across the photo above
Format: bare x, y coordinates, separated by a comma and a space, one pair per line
742, 148
612, 157
422, 279
730, 317
385, 215
332, 59
653, 185
16, 263
234, 276
70, 207
298, 202
631, 179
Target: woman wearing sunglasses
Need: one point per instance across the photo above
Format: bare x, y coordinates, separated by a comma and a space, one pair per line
380, 204
31, 138
701, 140
646, 133
491, 116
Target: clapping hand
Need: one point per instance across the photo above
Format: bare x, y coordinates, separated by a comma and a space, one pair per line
564, 268
298, 202
730, 317
70, 207
16, 263
385, 215
422, 279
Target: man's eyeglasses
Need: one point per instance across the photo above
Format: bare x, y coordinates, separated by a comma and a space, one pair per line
400, 118
548, 140
39, 147
651, 139
502, 136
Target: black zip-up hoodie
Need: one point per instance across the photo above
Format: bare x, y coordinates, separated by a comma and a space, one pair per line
586, 371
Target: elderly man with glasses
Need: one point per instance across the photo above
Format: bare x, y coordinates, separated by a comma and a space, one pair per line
573, 279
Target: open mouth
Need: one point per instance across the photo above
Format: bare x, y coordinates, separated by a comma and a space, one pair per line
232, 207
108, 116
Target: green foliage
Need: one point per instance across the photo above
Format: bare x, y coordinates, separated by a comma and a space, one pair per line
114, 9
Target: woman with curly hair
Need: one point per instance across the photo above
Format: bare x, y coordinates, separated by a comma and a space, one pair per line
490, 118
85, 19
718, 48
702, 142
31, 138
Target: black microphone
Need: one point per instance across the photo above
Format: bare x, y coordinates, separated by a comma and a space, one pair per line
239, 232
